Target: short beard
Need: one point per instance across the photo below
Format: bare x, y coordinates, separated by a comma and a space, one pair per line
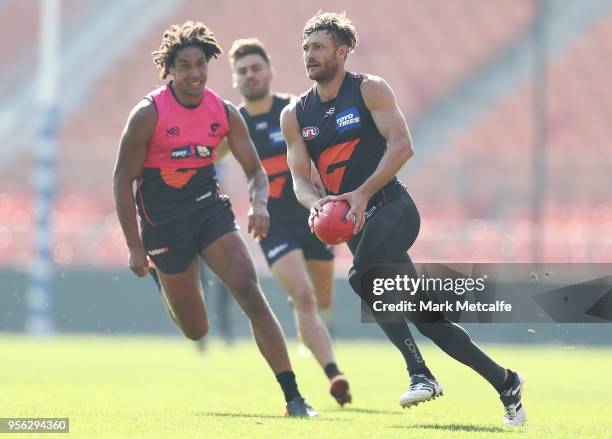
256, 95
326, 74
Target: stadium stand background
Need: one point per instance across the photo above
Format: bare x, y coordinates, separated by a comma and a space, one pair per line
463, 72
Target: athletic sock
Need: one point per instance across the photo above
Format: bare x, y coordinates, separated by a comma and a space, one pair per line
507, 383
398, 333
422, 370
287, 382
452, 338
456, 342
331, 370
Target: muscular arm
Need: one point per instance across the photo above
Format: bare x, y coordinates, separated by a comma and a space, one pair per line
298, 159
390, 121
380, 100
132, 149
241, 146
316, 180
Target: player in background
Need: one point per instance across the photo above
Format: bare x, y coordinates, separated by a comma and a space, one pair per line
351, 127
301, 263
168, 148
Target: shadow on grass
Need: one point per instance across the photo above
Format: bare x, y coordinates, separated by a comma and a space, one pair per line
238, 415
456, 427
262, 416
358, 410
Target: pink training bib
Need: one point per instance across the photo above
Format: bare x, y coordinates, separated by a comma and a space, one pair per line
185, 137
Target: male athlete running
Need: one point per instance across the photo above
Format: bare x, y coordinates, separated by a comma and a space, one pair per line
168, 148
301, 263
350, 126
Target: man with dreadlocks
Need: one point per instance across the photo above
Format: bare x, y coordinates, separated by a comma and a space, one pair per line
168, 147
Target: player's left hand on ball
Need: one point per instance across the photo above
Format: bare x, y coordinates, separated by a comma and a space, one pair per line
318, 205
359, 203
314, 211
259, 220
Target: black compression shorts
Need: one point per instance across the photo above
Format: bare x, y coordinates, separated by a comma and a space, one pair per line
388, 233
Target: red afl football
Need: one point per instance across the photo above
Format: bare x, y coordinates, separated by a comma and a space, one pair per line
331, 225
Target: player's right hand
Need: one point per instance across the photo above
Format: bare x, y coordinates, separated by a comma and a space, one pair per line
259, 220
138, 260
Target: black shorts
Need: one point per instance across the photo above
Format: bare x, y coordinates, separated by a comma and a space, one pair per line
283, 239
173, 246
387, 234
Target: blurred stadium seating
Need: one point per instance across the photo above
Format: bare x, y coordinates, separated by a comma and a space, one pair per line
473, 191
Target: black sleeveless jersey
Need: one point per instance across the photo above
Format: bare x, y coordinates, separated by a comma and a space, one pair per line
342, 139
265, 132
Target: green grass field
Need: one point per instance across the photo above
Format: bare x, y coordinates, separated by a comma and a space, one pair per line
149, 387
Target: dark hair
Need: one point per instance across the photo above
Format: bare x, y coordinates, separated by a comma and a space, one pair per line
247, 46
336, 24
178, 37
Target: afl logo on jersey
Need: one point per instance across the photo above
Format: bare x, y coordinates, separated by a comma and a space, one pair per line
310, 133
